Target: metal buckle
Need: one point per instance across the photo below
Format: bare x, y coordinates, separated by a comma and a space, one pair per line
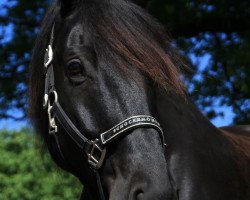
52, 123
45, 100
96, 155
49, 56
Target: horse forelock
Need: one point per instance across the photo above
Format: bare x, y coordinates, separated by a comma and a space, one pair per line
138, 40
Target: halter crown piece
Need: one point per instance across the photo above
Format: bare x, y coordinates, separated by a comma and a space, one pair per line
95, 149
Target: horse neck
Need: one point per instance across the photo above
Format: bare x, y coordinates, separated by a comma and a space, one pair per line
198, 151
183, 123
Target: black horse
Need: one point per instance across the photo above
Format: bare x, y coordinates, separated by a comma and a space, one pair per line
109, 61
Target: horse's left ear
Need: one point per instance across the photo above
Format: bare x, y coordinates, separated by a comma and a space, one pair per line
142, 3
67, 6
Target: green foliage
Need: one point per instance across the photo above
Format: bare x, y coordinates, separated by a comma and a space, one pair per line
25, 175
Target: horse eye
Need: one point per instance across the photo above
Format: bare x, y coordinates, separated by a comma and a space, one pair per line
75, 68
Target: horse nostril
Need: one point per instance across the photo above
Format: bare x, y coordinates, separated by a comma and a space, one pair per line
139, 195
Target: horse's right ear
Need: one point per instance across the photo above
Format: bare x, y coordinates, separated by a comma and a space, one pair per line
67, 6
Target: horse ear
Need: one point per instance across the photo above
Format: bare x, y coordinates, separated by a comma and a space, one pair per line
142, 3
67, 6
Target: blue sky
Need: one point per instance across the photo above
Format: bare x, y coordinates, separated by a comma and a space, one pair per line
227, 119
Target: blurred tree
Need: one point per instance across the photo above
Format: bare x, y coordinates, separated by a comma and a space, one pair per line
24, 175
220, 29
19, 22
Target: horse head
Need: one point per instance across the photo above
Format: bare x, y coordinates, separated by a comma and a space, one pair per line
103, 61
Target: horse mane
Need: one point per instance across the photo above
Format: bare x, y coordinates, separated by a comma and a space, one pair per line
241, 146
240, 142
123, 32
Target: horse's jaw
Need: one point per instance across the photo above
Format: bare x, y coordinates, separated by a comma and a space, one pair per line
137, 169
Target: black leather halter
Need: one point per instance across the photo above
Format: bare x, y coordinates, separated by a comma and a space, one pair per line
95, 149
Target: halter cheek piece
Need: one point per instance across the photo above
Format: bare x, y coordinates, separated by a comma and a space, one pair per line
95, 149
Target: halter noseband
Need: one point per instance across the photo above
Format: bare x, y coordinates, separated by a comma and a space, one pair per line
95, 149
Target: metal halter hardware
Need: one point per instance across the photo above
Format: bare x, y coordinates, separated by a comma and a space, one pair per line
52, 123
95, 149
96, 155
49, 51
47, 100
47, 62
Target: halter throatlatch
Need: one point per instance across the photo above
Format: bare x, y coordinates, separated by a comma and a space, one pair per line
95, 149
